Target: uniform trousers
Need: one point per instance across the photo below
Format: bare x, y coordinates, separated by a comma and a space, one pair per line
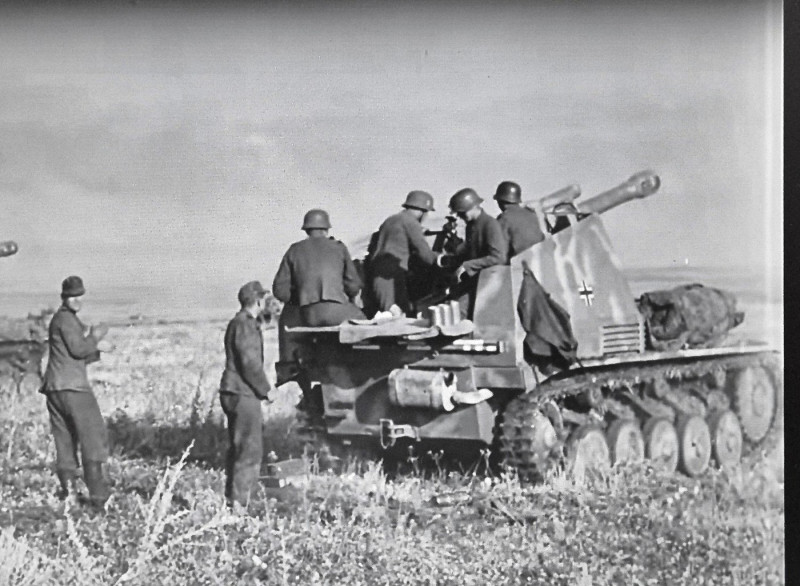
245, 445
329, 313
76, 422
391, 289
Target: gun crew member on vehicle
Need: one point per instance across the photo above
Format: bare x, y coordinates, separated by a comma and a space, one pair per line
400, 238
520, 224
318, 275
244, 384
484, 244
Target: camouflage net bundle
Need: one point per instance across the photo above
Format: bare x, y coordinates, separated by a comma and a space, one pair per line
689, 316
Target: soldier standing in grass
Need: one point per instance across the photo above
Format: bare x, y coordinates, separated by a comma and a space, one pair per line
75, 417
244, 385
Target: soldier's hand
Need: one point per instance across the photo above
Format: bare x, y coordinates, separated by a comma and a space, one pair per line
446, 261
105, 346
99, 331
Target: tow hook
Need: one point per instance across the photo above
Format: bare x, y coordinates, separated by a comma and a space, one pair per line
390, 432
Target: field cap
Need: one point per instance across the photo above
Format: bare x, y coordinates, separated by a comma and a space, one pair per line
250, 292
72, 286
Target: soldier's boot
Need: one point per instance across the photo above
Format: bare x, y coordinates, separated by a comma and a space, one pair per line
96, 483
243, 485
66, 482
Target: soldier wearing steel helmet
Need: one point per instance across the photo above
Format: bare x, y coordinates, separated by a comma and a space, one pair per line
485, 244
520, 224
318, 275
400, 239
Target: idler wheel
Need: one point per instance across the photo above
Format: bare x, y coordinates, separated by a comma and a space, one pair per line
754, 401
625, 441
695, 441
726, 438
588, 449
661, 443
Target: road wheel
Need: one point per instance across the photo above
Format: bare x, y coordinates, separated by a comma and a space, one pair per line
695, 441
588, 450
754, 401
726, 438
625, 441
661, 443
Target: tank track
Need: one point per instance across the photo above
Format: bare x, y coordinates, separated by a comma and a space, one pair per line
311, 430
309, 426
573, 402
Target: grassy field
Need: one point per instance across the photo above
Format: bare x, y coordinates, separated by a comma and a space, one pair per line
167, 523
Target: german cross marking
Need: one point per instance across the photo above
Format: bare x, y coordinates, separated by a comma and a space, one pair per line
586, 292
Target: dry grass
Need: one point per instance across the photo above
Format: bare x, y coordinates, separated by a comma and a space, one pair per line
167, 523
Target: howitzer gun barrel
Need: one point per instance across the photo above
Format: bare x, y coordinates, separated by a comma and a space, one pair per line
566, 194
8, 248
640, 185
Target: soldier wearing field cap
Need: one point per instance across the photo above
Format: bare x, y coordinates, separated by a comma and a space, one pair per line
75, 418
400, 238
484, 243
317, 275
520, 224
243, 386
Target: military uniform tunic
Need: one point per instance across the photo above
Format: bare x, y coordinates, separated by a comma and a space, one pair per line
399, 237
75, 418
484, 245
318, 275
244, 358
520, 227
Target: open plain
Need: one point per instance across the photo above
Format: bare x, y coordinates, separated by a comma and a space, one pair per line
167, 522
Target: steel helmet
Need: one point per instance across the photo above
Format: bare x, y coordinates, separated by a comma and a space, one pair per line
8, 248
464, 200
419, 200
316, 219
508, 192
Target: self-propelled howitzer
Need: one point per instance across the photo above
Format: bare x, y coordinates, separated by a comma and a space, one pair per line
22, 341
463, 373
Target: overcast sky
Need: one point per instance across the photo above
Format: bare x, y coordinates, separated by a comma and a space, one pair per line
150, 143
